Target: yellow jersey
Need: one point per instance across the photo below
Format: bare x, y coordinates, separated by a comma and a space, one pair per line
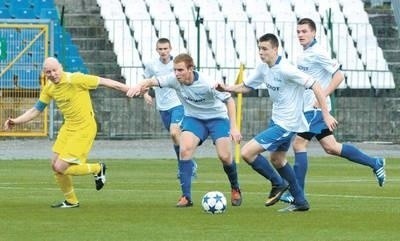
72, 97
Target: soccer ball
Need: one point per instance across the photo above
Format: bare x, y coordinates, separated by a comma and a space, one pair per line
214, 202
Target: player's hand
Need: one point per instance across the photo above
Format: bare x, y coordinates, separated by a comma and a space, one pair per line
236, 135
147, 98
9, 124
330, 121
134, 91
220, 87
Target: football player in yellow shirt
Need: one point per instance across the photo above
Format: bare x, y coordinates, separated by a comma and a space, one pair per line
75, 138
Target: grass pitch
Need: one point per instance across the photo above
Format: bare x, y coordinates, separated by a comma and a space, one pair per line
138, 203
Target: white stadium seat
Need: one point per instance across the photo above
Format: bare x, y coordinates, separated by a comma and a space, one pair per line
230, 29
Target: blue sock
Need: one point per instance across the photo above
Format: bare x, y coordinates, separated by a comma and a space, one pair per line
176, 148
263, 167
354, 154
231, 172
300, 167
288, 174
185, 170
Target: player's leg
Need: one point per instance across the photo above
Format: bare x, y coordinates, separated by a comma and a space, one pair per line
171, 119
300, 167
65, 184
354, 154
219, 131
278, 158
74, 148
251, 153
193, 134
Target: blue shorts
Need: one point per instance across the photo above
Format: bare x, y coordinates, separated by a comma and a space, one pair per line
275, 138
216, 128
172, 116
316, 121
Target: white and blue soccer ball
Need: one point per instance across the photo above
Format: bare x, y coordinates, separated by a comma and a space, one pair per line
214, 202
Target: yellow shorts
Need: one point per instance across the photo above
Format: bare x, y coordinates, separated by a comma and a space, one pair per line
73, 146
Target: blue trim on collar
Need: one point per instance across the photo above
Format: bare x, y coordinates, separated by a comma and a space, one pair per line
311, 44
278, 60
196, 76
170, 58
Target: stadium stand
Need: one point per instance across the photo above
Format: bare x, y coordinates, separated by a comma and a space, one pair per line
226, 34
229, 29
26, 69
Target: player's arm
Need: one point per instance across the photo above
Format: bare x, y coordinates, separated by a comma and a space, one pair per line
113, 84
231, 107
337, 79
330, 121
142, 87
239, 88
25, 117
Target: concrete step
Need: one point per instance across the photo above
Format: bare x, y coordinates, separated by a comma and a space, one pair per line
104, 56
78, 6
87, 32
389, 43
93, 44
382, 19
386, 31
103, 68
391, 54
79, 19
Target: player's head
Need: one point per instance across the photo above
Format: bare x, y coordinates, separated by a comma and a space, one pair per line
183, 68
52, 69
268, 45
306, 31
163, 48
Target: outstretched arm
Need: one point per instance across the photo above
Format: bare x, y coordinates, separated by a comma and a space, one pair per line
141, 87
25, 117
113, 84
239, 88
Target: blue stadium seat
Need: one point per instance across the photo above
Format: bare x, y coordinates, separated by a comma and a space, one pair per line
23, 13
29, 79
75, 64
6, 80
19, 3
71, 50
43, 4
47, 13
4, 13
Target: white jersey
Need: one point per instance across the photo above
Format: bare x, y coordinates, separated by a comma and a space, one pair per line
286, 85
200, 99
316, 62
166, 98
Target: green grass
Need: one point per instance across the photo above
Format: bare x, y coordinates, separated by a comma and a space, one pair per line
138, 203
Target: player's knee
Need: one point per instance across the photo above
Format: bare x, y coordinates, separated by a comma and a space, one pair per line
246, 155
57, 168
332, 149
225, 158
299, 144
